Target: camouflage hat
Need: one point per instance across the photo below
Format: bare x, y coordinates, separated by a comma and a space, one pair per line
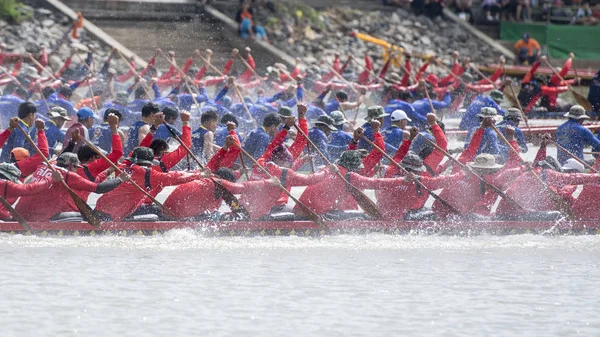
487, 112
143, 155
497, 96
577, 112
284, 111
338, 118
351, 160
10, 172
326, 121
68, 158
122, 98
513, 113
58, 112
375, 112
413, 162
468, 78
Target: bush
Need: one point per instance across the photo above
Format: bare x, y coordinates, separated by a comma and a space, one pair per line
11, 10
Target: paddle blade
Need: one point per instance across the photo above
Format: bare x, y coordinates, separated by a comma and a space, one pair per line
15, 214
231, 201
581, 100
85, 209
314, 217
512, 99
365, 202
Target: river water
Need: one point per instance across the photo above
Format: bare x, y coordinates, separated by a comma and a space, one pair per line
183, 284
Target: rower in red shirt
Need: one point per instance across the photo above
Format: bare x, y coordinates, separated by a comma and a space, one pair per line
332, 195
11, 188
586, 205
468, 195
126, 199
56, 199
20, 156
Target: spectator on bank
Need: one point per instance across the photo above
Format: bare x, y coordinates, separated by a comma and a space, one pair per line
463, 9
508, 9
247, 27
585, 15
558, 10
523, 10
492, 9
527, 49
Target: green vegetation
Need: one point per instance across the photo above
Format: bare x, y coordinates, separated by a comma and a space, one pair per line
11, 10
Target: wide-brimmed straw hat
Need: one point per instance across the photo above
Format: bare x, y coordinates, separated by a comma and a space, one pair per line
485, 161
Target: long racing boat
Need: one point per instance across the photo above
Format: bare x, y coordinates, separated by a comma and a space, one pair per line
307, 228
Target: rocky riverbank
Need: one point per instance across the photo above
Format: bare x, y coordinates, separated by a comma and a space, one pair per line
315, 35
42, 27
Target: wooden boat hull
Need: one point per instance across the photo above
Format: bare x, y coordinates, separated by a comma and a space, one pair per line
307, 228
520, 71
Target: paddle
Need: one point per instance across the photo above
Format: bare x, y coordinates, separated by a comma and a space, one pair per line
16, 215
351, 85
417, 181
370, 72
237, 90
185, 81
83, 207
557, 199
40, 66
314, 217
248, 66
480, 178
512, 91
119, 171
227, 196
581, 100
568, 153
363, 201
146, 90
472, 66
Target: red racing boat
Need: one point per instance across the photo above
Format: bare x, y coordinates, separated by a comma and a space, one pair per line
307, 228
531, 135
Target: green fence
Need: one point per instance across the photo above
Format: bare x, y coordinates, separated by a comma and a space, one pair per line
558, 39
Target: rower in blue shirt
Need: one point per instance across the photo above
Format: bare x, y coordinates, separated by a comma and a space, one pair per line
339, 139
141, 128
470, 120
101, 135
186, 101
62, 98
140, 99
422, 106
120, 103
162, 132
9, 103
203, 138
489, 143
54, 134
573, 136
42, 105
26, 113
512, 118
222, 132
257, 140
400, 102
340, 103
394, 135
374, 112
221, 102
319, 135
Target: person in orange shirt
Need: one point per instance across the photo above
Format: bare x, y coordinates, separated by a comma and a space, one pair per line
528, 49
77, 27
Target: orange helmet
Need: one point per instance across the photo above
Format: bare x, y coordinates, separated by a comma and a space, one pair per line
19, 153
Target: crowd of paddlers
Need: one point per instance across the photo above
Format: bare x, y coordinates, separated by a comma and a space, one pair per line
87, 128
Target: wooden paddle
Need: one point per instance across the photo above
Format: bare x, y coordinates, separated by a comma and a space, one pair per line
363, 201
417, 181
249, 67
557, 199
472, 66
84, 208
185, 81
370, 72
314, 217
146, 89
568, 153
119, 171
227, 196
351, 85
237, 90
41, 66
581, 100
16, 215
463, 166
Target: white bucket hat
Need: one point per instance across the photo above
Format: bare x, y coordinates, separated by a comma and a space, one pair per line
485, 161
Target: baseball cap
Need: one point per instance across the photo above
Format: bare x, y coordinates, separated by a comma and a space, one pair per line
399, 115
85, 113
20, 153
